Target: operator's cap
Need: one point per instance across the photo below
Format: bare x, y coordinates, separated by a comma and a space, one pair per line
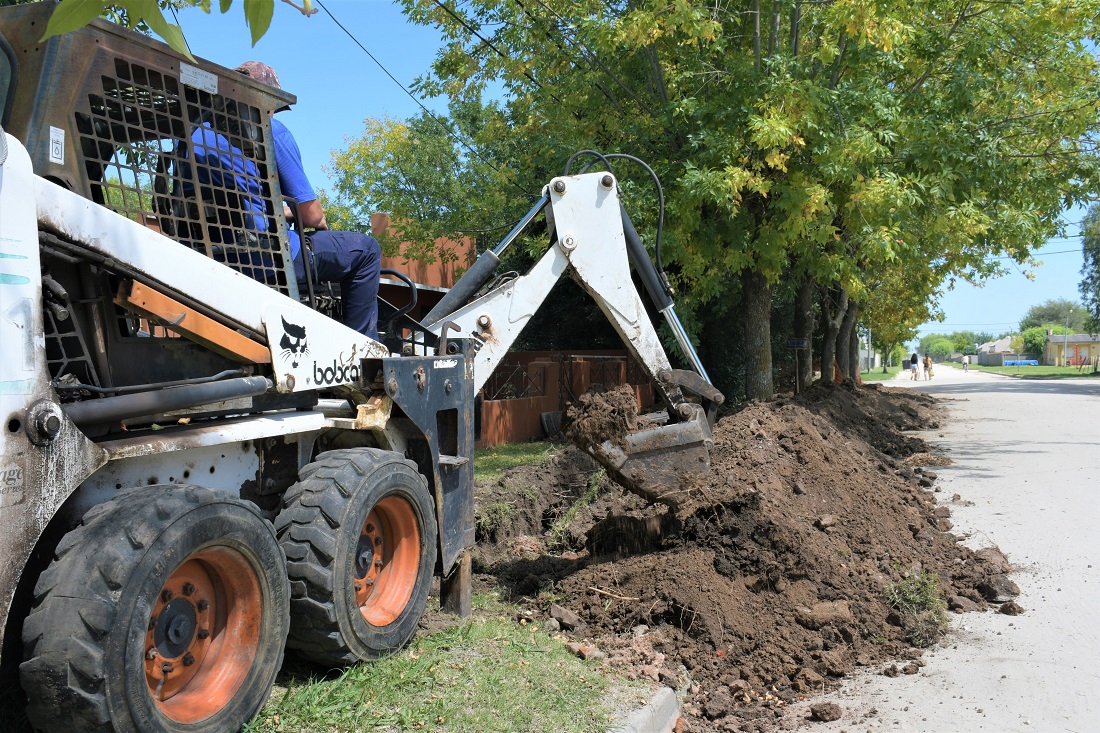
264, 74
261, 72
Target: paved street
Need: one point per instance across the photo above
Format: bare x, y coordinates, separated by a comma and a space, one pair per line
1027, 454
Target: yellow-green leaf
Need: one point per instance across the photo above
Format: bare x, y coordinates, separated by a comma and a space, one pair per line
149, 11
224, 5
257, 13
70, 15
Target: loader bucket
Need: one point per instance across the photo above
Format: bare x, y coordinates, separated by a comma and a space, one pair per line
661, 464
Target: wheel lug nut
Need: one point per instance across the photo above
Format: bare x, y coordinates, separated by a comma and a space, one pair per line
152, 653
188, 588
167, 595
378, 562
204, 633
166, 668
369, 581
152, 622
369, 527
378, 541
188, 659
203, 605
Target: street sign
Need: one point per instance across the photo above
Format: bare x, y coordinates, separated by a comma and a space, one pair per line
797, 343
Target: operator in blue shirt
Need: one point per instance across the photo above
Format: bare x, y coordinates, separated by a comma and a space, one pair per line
349, 258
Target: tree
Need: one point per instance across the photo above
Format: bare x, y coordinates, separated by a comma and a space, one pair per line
1056, 310
820, 142
1035, 338
418, 173
1090, 270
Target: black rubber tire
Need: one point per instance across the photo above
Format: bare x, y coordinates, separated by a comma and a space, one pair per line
85, 638
319, 529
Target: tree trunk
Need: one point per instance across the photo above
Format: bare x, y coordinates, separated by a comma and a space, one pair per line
889, 349
804, 329
853, 360
844, 340
833, 320
756, 305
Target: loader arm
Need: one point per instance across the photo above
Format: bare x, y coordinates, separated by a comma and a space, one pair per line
591, 245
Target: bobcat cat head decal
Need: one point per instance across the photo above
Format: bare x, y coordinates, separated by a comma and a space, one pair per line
293, 343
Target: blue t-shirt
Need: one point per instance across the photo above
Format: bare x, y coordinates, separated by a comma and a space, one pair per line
292, 174
220, 163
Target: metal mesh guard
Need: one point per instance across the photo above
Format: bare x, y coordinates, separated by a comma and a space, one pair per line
193, 165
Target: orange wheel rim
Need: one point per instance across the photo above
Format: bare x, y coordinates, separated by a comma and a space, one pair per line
387, 561
203, 634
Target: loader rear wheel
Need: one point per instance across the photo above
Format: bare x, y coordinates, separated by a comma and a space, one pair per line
166, 611
359, 533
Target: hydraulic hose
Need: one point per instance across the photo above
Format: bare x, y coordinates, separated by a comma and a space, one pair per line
121, 407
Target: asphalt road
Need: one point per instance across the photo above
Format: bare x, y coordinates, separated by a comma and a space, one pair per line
1027, 454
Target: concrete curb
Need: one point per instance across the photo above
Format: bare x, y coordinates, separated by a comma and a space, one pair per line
659, 715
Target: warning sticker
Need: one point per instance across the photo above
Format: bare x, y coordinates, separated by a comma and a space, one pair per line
57, 145
195, 77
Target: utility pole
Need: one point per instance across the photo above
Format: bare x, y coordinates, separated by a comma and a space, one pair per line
1065, 339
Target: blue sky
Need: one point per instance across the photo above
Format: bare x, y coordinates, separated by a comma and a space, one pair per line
1000, 304
338, 86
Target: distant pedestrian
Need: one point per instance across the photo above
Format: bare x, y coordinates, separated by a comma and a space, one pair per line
914, 366
927, 367
966, 363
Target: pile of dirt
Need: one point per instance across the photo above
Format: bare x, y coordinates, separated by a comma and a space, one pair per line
773, 582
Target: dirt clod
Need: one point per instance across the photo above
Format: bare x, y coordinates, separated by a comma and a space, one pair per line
825, 712
998, 589
600, 416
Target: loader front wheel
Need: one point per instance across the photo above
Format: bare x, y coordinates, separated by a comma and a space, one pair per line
359, 533
166, 611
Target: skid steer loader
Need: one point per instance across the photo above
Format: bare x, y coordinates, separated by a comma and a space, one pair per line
199, 464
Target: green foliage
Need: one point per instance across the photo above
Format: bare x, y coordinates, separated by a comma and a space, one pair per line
1090, 270
966, 342
72, 14
432, 186
1056, 310
919, 600
936, 345
1035, 338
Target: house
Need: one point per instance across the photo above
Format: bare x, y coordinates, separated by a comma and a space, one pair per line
1072, 349
992, 353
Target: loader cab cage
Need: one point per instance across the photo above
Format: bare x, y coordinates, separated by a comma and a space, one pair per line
127, 122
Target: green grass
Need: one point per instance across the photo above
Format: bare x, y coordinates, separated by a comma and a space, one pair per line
487, 674
919, 600
491, 463
876, 375
557, 529
1037, 372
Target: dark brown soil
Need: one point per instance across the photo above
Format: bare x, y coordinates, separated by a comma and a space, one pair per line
602, 415
772, 583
